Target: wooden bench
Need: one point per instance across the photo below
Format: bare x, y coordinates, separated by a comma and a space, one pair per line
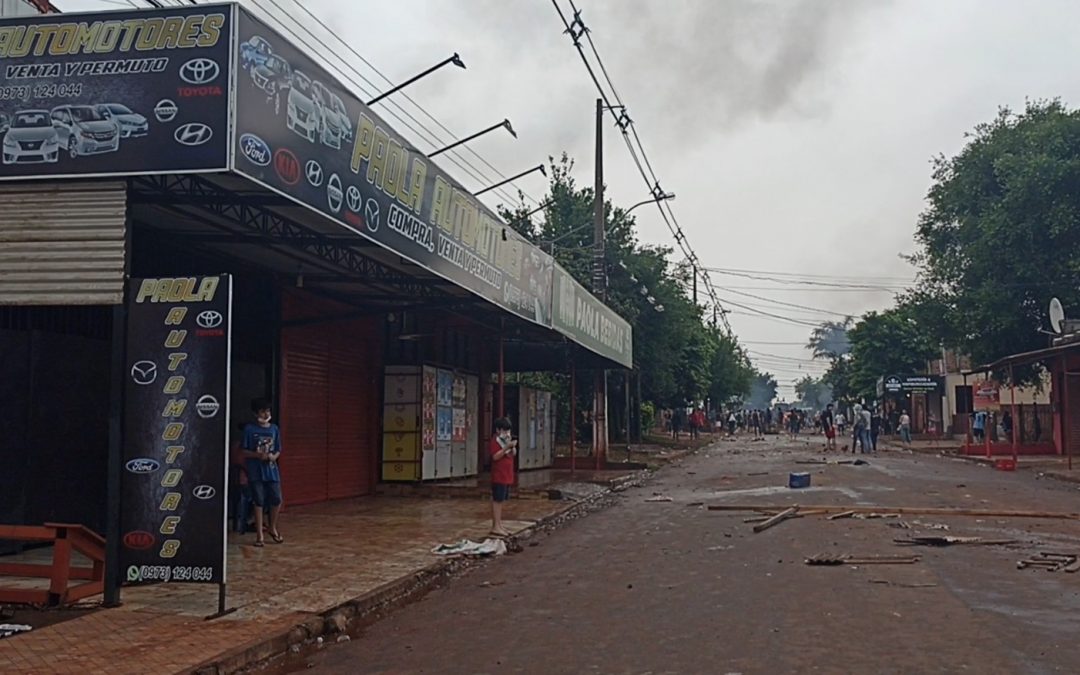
65, 538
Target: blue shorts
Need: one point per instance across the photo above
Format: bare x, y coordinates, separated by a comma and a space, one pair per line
500, 493
265, 495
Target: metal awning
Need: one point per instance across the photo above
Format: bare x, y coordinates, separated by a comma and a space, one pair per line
1024, 358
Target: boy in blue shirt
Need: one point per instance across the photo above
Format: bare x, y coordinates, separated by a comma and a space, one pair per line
262, 447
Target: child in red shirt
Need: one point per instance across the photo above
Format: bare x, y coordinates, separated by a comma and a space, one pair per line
502, 448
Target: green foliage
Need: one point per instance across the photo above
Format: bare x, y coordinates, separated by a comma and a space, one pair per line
1001, 234
885, 343
830, 339
648, 416
813, 393
763, 388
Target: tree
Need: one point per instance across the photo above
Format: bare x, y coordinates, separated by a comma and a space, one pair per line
886, 343
1001, 233
813, 393
762, 390
830, 339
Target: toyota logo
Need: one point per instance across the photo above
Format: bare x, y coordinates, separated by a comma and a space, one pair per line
209, 319
333, 193
207, 406
165, 110
313, 172
204, 491
144, 372
371, 214
199, 71
193, 133
353, 199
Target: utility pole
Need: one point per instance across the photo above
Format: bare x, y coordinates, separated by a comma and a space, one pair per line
600, 436
694, 270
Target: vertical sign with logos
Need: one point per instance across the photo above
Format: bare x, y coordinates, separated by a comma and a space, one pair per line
176, 432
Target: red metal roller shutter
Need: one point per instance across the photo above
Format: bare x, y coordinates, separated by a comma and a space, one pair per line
305, 381
353, 402
1073, 415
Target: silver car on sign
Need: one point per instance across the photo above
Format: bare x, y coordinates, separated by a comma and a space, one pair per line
85, 131
127, 120
304, 114
31, 138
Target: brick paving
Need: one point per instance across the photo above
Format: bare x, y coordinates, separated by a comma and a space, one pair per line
333, 552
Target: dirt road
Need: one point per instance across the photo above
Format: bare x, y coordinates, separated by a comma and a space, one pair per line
670, 587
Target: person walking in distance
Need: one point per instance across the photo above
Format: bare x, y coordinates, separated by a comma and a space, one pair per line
503, 448
865, 420
905, 428
828, 428
875, 428
261, 450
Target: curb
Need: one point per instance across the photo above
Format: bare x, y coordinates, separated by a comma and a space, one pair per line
391, 595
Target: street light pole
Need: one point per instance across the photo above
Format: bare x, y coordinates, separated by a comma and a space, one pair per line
504, 124
455, 59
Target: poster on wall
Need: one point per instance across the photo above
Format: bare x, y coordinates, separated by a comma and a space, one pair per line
458, 432
445, 387
176, 434
444, 424
985, 394
427, 405
114, 93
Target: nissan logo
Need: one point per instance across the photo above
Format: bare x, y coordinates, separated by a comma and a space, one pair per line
142, 465
144, 372
199, 71
353, 199
165, 110
193, 133
209, 318
207, 406
204, 491
255, 149
313, 172
371, 214
333, 193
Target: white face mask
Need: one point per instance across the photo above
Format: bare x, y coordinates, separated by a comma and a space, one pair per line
265, 419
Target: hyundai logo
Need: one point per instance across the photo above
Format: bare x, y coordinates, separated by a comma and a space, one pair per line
313, 172
141, 465
255, 149
207, 406
333, 193
199, 71
193, 133
144, 372
353, 199
371, 214
209, 318
204, 491
165, 110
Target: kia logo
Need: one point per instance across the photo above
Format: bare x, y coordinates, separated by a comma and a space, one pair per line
255, 149
193, 133
165, 110
142, 465
287, 166
144, 372
333, 193
204, 491
313, 172
207, 406
199, 71
209, 319
371, 214
140, 540
353, 199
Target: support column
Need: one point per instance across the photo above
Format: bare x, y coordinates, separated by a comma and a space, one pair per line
500, 398
600, 426
573, 416
1012, 412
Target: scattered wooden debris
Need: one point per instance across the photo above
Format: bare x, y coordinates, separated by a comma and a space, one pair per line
951, 540
696, 504
834, 560
930, 526
870, 516
659, 498
811, 461
1052, 562
899, 584
758, 473
778, 518
900, 525
842, 514
907, 510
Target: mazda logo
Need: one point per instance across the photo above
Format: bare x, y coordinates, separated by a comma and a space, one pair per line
204, 491
193, 133
371, 214
313, 172
353, 199
144, 372
333, 193
199, 71
165, 110
142, 465
207, 406
209, 319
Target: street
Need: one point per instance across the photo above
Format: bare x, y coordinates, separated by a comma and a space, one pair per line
671, 587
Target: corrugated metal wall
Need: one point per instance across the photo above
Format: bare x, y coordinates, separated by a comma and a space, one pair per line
62, 243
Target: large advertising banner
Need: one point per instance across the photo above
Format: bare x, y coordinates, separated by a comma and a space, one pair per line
580, 315
114, 93
176, 431
300, 132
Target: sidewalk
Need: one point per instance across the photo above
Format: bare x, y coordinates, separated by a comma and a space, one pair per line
334, 553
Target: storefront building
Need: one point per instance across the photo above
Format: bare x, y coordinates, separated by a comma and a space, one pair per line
374, 300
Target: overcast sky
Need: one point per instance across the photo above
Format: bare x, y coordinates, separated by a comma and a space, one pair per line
797, 134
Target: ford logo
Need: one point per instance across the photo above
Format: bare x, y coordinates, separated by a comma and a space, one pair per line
139, 540
255, 149
142, 465
199, 71
193, 133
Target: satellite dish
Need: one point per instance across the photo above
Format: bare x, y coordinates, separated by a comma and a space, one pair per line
1057, 315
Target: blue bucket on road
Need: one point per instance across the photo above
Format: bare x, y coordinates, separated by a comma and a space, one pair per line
798, 480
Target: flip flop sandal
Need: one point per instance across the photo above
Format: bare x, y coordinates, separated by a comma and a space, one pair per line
278, 539
260, 543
